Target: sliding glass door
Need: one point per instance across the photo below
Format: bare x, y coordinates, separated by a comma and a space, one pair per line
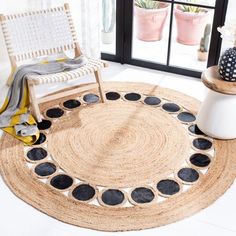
108, 26
168, 35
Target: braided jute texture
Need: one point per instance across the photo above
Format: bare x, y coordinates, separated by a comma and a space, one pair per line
120, 145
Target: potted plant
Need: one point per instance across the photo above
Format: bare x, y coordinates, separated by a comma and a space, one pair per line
108, 21
190, 21
227, 63
204, 44
150, 19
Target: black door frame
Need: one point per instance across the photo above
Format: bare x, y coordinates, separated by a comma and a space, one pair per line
124, 36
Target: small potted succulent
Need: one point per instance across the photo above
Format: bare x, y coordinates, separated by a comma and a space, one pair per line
108, 21
150, 19
191, 21
204, 44
227, 63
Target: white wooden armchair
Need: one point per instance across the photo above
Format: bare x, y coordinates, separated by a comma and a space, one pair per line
45, 32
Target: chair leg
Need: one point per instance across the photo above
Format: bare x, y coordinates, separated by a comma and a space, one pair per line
10, 78
34, 103
100, 85
13, 69
9, 81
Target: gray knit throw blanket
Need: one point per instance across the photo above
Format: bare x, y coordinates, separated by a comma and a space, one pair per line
16, 91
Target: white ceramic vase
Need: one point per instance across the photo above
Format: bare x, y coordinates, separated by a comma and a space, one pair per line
107, 37
217, 115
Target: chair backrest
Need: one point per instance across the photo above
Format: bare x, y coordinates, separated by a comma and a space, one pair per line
38, 33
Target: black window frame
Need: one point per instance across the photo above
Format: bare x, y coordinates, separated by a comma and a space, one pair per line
124, 37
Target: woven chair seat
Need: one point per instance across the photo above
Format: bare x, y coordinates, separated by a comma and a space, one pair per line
91, 66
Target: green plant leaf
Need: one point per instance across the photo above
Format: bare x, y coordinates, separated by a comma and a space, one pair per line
147, 4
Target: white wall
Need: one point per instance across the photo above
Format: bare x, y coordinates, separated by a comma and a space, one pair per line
10, 6
7, 7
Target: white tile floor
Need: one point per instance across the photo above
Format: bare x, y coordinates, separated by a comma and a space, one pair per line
19, 219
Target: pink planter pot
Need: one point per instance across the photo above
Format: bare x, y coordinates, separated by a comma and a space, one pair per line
150, 22
190, 26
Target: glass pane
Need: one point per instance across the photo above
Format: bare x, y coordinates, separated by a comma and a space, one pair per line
151, 31
230, 18
191, 37
108, 26
201, 2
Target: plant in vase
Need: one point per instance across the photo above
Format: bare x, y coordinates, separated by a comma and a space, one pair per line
108, 21
204, 44
191, 21
227, 63
150, 19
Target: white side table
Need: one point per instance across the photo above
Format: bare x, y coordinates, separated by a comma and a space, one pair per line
217, 115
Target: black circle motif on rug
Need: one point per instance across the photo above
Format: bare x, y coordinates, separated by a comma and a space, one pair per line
142, 195
37, 154
132, 96
171, 107
112, 197
168, 187
91, 98
112, 96
61, 181
83, 192
152, 101
200, 160
55, 112
186, 117
45, 169
71, 104
202, 144
195, 130
188, 175
42, 138
44, 124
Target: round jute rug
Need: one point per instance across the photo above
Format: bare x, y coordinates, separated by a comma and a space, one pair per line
137, 161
